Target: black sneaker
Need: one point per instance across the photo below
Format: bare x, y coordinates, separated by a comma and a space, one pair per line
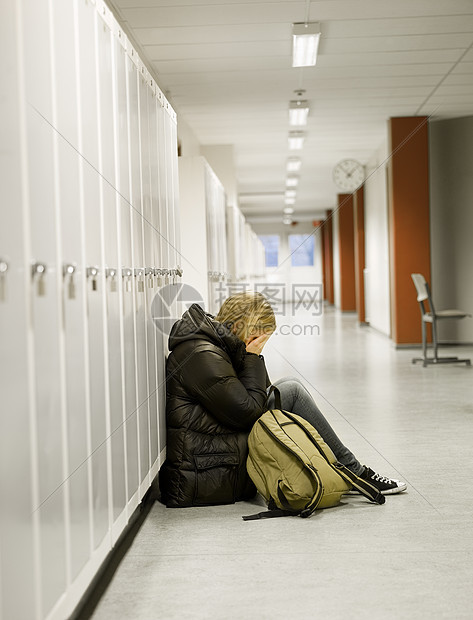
386, 486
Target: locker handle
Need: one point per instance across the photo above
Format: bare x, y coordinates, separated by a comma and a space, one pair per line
3, 266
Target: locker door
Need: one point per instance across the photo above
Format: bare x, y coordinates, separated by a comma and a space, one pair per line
158, 249
95, 289
140, 416
163, 181
154, 352
44, 301
112, 261
175, 191
74, 325
169, 146
145, 114
17, 540
131, 440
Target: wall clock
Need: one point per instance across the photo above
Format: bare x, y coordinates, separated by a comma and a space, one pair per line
348, 175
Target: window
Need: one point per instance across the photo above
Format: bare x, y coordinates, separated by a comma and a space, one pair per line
271, 247
301, 248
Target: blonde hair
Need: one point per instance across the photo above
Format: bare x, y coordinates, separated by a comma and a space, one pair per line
247, 314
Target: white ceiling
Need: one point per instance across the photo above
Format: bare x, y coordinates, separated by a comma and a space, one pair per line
226, 67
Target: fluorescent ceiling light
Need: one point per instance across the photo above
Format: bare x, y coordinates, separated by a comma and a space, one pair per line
305, 43
292, 181
296, 140
298, 112
293, 164
288, 210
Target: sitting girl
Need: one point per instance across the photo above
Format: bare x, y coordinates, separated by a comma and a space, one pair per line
216, 390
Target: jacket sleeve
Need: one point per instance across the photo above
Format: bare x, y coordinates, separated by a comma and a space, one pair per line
235, 400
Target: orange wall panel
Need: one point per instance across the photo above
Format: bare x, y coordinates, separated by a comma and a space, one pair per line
409, 226
359, 226
328, 261
346, 245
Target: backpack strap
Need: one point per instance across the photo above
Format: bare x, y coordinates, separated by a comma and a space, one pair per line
277, 397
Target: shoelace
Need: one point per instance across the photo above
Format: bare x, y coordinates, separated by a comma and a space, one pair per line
379, 478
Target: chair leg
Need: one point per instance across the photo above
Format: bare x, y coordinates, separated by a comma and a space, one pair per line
424, 340
434, 338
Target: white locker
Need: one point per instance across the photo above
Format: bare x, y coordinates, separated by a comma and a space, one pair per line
126, 267
141, 414
74, 324
163, 185
146, 423
17, 460
111, 261
45, 319
202, 217
159, 243
93, 263
151, 264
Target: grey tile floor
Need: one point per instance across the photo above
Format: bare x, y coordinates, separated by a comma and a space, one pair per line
409, 559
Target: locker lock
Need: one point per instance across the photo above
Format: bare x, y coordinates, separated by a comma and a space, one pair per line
68, 271
166, 273
150, 272
140, 282
93, 272
159, 274
126, 275
111, 274
3, 271
38, 271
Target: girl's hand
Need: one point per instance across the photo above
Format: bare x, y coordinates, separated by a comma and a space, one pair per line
255, 344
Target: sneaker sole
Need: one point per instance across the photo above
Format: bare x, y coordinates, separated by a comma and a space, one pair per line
399, 489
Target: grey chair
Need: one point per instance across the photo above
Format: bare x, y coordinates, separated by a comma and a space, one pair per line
432, 316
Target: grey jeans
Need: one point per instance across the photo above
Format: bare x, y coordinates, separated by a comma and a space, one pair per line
295, 398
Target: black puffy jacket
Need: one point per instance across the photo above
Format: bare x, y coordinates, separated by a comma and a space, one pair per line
215, 392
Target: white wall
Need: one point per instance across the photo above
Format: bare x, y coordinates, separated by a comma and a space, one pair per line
285, 274
451, 222
377, 294
189, 145
221, 160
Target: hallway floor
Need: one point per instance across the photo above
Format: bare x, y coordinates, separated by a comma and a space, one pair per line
411, 558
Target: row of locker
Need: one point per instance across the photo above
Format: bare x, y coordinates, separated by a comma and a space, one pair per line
89, 234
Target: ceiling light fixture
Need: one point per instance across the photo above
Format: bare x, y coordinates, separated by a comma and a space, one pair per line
288, 210
296, 140
292, 181
290, 193
298, 112
293, 164
305, 43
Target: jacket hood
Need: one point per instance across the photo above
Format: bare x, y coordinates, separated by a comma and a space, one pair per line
196, 324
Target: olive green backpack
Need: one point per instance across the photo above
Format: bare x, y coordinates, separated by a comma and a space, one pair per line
294, 469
